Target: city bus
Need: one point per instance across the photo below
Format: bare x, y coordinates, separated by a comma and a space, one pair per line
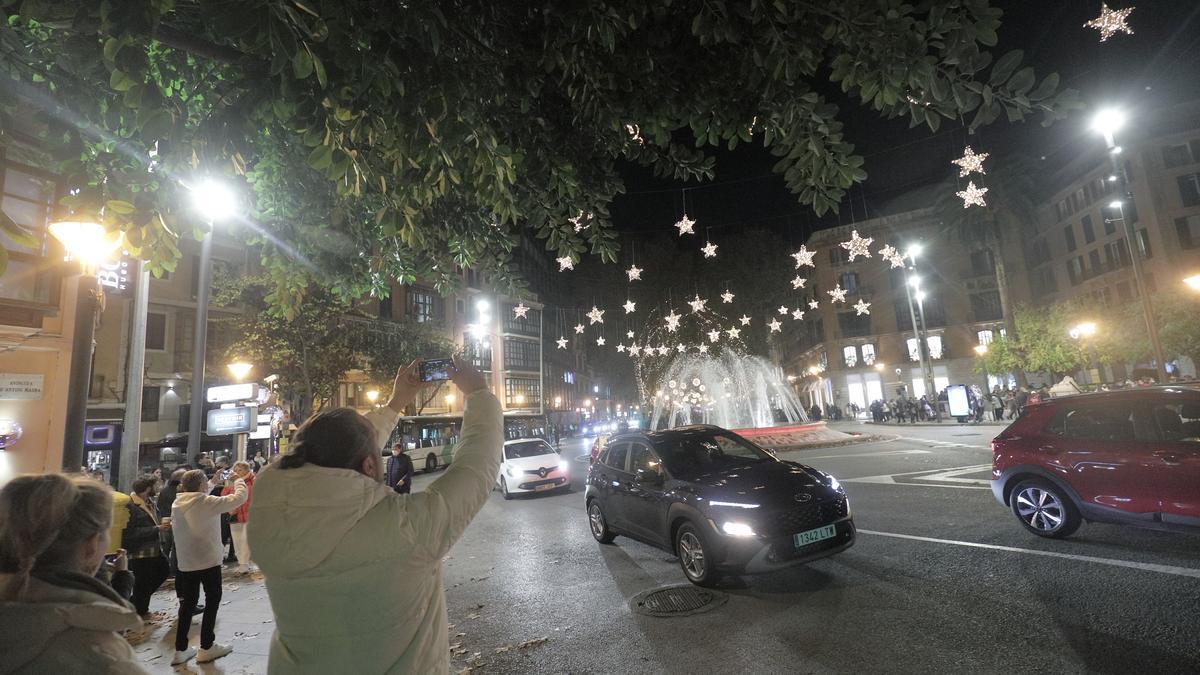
429, 440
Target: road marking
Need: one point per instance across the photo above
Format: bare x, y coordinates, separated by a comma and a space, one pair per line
949, 475
1148, 567
945, 444
870, 454
953, 476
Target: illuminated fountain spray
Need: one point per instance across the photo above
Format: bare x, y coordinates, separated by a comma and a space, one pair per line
730, 390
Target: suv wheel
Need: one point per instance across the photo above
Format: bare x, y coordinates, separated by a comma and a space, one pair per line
1044, 509
504, 488
598, 524
693, 550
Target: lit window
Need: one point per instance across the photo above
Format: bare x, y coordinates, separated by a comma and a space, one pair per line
985, 337
935, 346
851, 356
913, 355
868, 355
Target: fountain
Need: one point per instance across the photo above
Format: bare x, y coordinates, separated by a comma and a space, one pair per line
730, 390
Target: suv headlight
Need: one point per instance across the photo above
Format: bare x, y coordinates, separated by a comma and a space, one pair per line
737, 529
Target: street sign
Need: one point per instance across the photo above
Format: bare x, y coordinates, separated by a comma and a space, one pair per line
956, 396
225, 421
17, 386
113, 277
233, 392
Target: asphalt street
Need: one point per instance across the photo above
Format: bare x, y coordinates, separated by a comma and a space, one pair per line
942, 578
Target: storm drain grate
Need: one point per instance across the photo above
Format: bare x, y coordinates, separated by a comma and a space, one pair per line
682, 600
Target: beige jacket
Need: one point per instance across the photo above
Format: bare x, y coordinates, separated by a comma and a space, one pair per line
354, 570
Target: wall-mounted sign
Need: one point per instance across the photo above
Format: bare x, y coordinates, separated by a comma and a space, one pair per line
14, 386
233, 392
114, 276
225, 421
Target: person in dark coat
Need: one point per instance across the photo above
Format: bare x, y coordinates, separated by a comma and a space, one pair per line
141, 538
399, 470
167, 497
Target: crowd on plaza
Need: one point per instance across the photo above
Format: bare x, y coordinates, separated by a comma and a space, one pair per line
334, 532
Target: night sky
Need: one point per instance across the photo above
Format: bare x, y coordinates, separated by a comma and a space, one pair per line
1159, 64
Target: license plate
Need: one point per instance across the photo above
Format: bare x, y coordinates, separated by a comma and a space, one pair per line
548, 486
813, 536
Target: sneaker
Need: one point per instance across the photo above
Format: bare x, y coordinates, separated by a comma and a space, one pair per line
183, 656
213, 653
199, 610
241, 570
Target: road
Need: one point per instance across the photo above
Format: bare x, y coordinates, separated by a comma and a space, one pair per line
942, 578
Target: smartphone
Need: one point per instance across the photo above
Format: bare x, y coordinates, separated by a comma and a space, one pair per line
436, 370
111, 558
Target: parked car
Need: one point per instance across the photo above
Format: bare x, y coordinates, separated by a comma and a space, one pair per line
1130, 457
718, 501
532, 465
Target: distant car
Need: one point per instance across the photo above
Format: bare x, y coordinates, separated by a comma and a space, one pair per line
718, 501
1129, 457
532, 465
597, 446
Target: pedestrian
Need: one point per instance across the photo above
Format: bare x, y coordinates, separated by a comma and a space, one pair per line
57, 616
196, 522
240, 516
259, 461
997, 407
399, 470
142, 538
345, 556
204, 462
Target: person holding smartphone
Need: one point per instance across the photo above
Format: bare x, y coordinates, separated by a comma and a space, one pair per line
346, 557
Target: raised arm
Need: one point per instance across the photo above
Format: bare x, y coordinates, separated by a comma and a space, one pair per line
229, 502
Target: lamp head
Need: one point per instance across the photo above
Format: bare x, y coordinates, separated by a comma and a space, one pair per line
214, 199
85, 240
1108, 121
240, 369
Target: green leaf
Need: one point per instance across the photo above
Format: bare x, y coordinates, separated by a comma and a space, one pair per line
1023, 81
319, 68
119, 81
302, 64
117, 206
1046, 88
157, 125
1005, 65
321, 157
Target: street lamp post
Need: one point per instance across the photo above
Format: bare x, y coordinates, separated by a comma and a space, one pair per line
1107, 122
239, 370
982, 351
913, 283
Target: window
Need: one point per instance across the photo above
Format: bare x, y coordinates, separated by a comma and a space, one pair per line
913, 355
616, 456
1143, 242
385, 307
1176, 155
641, 458
985, 306
1089, 234
26, 195
479, 351
1189, 189
1069, 236
985, 337
982, 263
849, 281
1094, 261
838, 256
521, 354
522, 392
1110, 225
934, 342
868, 355
568, 377
421, 304
156, 331
1094, 422
853, 325
850, 356
1062, 210
150, 400
1188, 229
1177, 422
530, 324
1075, 270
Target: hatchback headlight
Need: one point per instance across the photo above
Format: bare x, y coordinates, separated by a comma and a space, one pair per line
737, 529
515, 472
563, 465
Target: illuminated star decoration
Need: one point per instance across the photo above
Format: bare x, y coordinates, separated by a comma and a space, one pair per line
565, 263
813, 304
600, 341
578, 329
862, 307
972, 196
703, 349
562, 342
635, 350
797, 314
798, 282
663, 349
892, 255
1110, 22
672, 320
838, 294
745, 320
634, 273
629, 334
775, 325
804, 257
520, 310
727, 297
698, 304
714, 335
621, 348
970, 162
734, 332
685, 225
630, 306
596, 315
857, 246
710, 250
681, 348
782, 310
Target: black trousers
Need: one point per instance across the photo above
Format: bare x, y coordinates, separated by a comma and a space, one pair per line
148, 575
189, 584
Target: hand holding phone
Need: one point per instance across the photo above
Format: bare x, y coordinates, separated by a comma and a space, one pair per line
436, 370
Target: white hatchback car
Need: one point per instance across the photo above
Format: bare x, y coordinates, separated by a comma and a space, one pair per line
532, 465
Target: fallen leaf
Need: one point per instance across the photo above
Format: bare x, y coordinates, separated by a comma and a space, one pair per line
505, 648
472, 616
536, 642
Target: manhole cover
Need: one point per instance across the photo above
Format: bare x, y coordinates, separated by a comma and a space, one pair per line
682, 600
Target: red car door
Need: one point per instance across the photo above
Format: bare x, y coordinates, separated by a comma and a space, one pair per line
1110, 464
1178, 453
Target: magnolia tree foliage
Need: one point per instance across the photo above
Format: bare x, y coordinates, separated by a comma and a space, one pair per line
1042, 343
378, 141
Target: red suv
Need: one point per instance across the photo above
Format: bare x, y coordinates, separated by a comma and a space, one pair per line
1130, 457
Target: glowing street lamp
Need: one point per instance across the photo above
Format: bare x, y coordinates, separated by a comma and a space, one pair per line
1083, 330
240, 369
981, 349
449, 398
372, 396
1107, 122
519, 399
1193, 282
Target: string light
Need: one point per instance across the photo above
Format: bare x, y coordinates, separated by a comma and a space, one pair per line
892, 255
1111, 21
685, 225
797, 314
698, 304
838, 294
804, 257
672, 320
630, 306
972, 196
745, 320
798, 282
857, 246
970, 162
727, 297
710, 250
578, 329
813, 304
562, 342
520, 310
565, 263
596, 315
862, 307
775, 325
634, 272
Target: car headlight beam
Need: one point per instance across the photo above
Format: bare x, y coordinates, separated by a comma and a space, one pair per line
737, 529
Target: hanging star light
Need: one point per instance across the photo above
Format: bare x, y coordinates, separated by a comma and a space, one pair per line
578, 329
681, 348
672, 320
862, 307
565, 263
727, 297
596, 315
635, 350
745, 320
562, 342
520, 311
1111, 21
714, 335
663, 349
634, 273
798, 282
857, 246
710, 249
775, 325
804, 257
892, 255
630, 306
698, 304
629, 334
685, 225
797, 314
972, 196
621, 348
734, 332
838, 294
813, 304
600, 341
782, 310
703, 349
970, 162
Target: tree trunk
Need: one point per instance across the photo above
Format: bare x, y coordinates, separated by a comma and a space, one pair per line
1006, 310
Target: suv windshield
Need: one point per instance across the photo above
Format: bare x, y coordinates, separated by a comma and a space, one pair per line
527, 449
690, 456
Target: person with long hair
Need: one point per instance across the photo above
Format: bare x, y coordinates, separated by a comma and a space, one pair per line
57, 617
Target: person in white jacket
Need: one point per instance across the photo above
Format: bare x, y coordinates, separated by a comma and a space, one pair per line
353, 569
196, 524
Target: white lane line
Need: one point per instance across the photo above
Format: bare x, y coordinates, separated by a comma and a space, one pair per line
953, 476
966, 483
1147, 567
884, 453
944, 444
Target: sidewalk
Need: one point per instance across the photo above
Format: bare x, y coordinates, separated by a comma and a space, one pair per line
946, 422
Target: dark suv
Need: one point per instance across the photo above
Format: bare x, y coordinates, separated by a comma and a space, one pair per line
1129, 456
718, 501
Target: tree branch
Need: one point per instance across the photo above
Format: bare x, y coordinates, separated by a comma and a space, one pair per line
188, 42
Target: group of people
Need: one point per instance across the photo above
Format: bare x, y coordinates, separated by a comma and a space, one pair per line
351, 559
